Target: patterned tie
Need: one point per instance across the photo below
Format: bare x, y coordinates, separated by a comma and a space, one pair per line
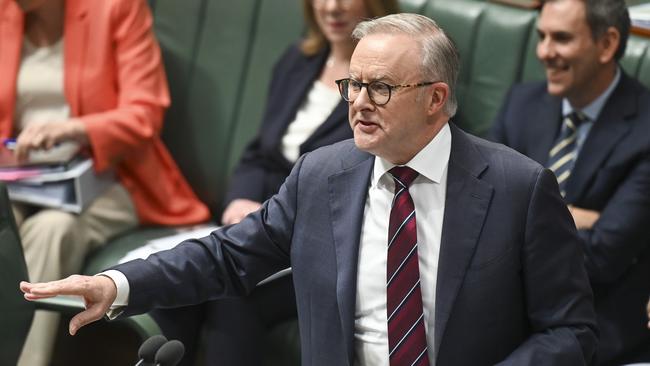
562, 156
407, 343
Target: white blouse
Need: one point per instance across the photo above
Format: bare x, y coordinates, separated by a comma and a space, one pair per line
317, 106
40, 96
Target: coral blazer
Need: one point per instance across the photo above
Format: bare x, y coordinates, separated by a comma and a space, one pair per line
115, 83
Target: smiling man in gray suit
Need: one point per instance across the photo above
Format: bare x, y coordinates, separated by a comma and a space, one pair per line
416, 244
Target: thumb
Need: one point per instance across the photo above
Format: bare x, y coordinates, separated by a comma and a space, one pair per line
93, 313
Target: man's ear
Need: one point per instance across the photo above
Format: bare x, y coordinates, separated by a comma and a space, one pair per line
439, 94
608, 44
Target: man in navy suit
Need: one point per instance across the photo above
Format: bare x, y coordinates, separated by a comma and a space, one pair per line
602, 162
414, 244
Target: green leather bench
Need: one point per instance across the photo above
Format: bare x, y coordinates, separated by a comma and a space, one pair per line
219, 54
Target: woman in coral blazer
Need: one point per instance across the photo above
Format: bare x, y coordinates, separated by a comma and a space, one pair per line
113, 84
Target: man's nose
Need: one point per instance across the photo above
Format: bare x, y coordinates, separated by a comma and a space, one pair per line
363, 101
545, 49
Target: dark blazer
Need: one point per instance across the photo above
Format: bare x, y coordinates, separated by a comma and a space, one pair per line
511, 284
612, 176
262, 167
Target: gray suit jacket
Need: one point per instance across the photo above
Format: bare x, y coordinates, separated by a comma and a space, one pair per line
511, 284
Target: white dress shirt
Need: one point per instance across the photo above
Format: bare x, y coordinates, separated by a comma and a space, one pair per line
591, 111
428, 193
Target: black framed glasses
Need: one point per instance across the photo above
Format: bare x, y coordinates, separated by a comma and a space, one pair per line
378, 91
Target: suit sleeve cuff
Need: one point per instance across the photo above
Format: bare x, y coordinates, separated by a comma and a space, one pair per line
122, 298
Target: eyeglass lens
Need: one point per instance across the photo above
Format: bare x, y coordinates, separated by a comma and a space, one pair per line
378, 91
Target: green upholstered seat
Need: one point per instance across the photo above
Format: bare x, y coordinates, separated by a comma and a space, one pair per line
278, 24
212, 52
460, 20
492, 40
15, 312
636, 61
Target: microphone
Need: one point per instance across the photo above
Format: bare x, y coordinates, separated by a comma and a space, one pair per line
170, 353
148, 349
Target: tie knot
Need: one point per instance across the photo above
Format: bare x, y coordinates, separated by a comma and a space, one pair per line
403, 175
574, 119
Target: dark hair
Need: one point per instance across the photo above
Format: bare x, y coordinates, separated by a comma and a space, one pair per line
315, 40
602, 14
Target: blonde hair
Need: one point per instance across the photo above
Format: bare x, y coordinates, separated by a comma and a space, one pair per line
315, 40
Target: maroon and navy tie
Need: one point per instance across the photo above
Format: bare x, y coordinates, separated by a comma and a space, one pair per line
407, 343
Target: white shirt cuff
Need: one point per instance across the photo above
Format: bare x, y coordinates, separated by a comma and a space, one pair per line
122, 298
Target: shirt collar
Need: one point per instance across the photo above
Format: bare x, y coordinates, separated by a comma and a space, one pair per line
430, 162
592, 110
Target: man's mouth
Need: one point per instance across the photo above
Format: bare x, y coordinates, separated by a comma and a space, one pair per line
554, 69
366, 126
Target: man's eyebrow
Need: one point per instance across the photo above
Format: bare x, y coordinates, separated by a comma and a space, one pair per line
381, 77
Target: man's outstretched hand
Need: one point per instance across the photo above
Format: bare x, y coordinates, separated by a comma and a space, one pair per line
98, 293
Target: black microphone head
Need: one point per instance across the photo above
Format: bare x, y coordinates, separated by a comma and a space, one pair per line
170, 353
148, 349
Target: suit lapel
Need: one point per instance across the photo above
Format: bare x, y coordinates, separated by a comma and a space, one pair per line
75, 46
604, 135
466, 206
347, 197
545, 124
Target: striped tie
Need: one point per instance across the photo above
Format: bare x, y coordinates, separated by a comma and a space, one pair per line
407, 343
562, 156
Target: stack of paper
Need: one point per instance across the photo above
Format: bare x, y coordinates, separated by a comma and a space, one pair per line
640, 15
69, 187
167, 242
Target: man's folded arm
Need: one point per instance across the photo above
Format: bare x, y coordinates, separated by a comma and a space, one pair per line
622, 232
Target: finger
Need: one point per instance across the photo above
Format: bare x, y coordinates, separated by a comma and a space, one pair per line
49, 142
52, 136
32, 297
25, 143
93, 313
73, 285
21, 151
225, 219
26, 288
38, 141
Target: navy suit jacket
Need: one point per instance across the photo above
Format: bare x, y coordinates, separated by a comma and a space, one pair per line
263, 167
612, 176
511, 284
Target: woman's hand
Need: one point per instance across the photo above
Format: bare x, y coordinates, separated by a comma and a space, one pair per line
237, 210
45, 135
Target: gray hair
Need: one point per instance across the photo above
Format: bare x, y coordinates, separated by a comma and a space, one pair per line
602, 14
440, 59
